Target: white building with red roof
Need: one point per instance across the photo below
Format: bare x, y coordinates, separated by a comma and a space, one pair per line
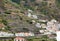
19, 39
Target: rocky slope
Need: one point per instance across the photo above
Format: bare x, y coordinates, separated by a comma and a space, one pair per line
14, 13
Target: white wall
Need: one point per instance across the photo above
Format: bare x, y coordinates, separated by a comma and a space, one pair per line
58, 35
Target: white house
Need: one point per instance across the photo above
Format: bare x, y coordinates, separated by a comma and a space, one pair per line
53, 26
43, 26
53, 20
29, 15
58, 35
38, 25
43, 20
34, 16
19, 34
58, 26
30, 10
41, 31
20, 39
33, 21
46, 33
31, 34
23, 34
6, 34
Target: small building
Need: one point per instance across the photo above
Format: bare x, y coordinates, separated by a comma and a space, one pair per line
41, 31
47, 33
42, 20
43, 26
20, 39
19, 34
53, 20
38, 25
33, 21
52, 26
24, 34
34, 17
58, 35
29, 15
6, 34
30, 11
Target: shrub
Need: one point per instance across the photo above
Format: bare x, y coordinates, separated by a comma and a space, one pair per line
4, 22
16, 1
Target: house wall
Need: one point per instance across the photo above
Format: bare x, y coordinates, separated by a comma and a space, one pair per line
20, 39
58, 35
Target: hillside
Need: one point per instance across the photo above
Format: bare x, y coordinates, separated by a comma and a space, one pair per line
41, 7
13, 13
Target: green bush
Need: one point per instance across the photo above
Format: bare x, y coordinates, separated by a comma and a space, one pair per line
44, 3
30, 39
16, 1
7, 12
58, 3
7, 28
4, 22
32, 0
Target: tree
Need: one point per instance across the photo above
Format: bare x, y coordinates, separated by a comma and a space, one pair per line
16, 1
7, 12
43, 40
4, 22
58, 3
30, 39
32, 0
25, 29
7, 28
